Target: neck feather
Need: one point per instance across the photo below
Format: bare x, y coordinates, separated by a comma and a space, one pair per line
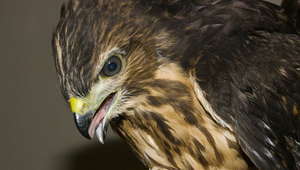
169, 129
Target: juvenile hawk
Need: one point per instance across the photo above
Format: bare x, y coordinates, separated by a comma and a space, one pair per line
189, 84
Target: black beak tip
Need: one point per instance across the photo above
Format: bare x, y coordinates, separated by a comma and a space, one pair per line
82, 124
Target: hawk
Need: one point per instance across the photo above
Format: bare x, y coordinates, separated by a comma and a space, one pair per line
188, 84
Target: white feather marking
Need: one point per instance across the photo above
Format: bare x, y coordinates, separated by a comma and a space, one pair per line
152, 142
200, 95
59, 55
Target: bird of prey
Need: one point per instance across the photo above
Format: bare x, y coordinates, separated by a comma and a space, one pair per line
188, 84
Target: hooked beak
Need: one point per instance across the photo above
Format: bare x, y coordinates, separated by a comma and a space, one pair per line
91, 121
83, 123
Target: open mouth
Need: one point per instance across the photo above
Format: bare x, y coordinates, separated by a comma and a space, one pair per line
100, 114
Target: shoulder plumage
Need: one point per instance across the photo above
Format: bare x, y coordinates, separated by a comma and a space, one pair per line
249, 71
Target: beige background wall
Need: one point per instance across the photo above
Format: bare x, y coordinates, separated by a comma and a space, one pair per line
36, 128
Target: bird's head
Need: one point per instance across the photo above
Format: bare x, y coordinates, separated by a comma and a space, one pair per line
103, 59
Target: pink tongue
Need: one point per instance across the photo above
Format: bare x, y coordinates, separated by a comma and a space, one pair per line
99, 117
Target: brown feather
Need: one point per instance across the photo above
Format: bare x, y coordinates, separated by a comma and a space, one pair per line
168, 52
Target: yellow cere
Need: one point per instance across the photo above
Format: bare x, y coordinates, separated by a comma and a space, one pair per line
76, 105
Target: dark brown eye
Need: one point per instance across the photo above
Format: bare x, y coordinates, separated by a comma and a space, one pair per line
112, 66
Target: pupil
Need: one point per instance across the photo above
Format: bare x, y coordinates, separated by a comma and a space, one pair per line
112, 66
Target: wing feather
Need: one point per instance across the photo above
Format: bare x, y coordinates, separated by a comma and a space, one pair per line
256, 91
249, 70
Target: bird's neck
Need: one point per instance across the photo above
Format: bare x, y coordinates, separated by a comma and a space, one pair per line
169, 129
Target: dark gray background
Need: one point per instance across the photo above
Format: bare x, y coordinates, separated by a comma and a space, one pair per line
36, 127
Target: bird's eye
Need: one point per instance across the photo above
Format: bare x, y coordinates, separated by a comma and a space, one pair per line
112, 66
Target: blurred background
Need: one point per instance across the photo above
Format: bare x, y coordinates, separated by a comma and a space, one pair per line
36, 126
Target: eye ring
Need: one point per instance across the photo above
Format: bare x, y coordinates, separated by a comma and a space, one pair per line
112, 66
